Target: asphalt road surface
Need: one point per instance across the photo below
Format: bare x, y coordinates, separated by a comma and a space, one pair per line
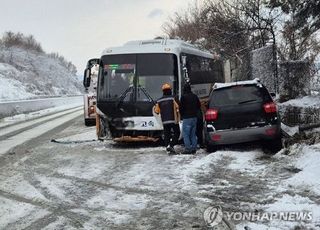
78, 182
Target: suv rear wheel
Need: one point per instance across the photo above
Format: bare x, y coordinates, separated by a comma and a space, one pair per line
211, 148
273, 146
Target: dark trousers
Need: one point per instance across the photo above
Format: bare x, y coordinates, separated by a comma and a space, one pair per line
189, 126
171, 134
199, 130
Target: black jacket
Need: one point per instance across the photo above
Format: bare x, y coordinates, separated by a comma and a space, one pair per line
189, 105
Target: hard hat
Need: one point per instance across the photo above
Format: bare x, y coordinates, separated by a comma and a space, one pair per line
166, 86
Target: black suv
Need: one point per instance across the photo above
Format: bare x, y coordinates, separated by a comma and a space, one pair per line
242, 111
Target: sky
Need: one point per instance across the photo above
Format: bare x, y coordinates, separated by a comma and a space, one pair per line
81, 29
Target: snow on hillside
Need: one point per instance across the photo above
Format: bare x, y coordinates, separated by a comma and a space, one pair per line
12, 89
26, 74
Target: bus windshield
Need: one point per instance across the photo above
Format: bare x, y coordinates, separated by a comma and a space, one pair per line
136, 76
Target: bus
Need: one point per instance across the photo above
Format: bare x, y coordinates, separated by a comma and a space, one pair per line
130, 79
89, 97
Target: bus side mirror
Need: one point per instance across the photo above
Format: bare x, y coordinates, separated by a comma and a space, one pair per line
184, 68
273, 95
87, 78
184, 61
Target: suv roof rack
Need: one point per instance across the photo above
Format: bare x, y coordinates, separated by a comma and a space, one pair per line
255, 81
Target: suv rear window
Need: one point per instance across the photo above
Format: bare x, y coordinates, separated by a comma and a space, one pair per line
236, 95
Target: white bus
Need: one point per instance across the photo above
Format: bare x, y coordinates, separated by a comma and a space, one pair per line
130, 79
90, 84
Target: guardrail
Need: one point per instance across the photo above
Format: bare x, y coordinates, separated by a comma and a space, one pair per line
10, 108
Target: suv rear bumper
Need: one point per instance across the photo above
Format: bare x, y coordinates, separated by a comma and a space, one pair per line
234, 136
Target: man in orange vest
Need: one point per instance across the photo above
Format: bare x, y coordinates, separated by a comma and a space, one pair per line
168, 108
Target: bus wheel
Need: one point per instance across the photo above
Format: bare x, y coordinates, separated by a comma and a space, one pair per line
101, 128
89, 122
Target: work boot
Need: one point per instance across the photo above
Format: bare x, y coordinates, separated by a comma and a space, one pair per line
187, 151
170, 150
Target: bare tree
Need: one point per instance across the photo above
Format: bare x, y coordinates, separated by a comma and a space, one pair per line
185, 25
233, 28
11, 39
299, 29
69, 65
214, 26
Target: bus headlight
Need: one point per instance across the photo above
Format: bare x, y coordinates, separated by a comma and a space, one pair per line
129, 124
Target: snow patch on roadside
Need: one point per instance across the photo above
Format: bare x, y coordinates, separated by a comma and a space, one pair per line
305, 160
287, 204
295, 203
11, 88
308, 161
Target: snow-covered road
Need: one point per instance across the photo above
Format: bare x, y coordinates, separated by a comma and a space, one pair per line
81, 183
16, 134
10, 108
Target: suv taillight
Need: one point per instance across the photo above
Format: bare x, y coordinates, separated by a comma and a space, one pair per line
270, 107
211, 115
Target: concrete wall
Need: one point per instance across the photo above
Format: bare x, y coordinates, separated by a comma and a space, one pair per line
263, 66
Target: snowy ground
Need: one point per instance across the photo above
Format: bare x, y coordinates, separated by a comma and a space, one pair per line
11, 120
14, 135
24, 108
87, 184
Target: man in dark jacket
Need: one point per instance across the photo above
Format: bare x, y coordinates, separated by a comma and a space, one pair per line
189, 108
169, 110
199, 129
